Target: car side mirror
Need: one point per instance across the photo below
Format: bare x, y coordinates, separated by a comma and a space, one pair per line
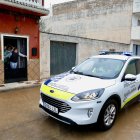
130, 77
72, 68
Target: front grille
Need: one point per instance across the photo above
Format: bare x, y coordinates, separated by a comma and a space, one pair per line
62, 106
60, 118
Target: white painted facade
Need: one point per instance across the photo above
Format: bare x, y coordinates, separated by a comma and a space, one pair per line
31, 5
136, 6
33, 2
94, 25
135, 30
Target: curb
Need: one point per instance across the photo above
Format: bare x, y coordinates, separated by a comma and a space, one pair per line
16, 86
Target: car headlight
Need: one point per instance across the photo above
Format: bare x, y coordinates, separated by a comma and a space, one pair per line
88, 95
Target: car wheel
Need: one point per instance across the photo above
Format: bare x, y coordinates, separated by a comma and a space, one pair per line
108, 115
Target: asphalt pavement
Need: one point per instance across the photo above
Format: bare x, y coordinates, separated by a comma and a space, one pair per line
20, 119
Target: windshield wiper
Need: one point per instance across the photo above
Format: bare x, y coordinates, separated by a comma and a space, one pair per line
100, 77
78, 72
81, 73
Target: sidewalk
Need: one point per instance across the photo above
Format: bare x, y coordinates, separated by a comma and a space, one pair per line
19, 85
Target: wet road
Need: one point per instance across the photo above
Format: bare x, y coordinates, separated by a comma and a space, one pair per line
20, 119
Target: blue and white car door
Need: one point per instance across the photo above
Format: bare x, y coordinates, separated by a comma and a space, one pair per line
131, 87
138, 75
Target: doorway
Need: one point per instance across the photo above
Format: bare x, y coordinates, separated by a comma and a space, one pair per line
62, 57
136, 49
15, 59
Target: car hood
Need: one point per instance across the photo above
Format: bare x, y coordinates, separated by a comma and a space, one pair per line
75, 83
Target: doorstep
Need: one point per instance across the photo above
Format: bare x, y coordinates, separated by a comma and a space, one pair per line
19, 85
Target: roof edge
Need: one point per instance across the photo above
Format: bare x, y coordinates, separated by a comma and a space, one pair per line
25, 6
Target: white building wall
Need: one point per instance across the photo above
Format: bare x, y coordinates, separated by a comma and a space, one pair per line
85, 48
95, 19
94, 25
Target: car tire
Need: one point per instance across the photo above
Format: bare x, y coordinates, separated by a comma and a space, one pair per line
107, 115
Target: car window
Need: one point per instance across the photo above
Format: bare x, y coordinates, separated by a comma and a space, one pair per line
105, 68
138, 66
131, 68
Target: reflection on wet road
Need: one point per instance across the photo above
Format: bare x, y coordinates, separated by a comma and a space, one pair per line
20, 119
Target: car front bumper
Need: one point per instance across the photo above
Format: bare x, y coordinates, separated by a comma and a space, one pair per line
81, 113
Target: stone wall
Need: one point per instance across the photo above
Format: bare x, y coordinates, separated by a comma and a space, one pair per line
85, 48
108, 20
33, 69
1, 72
1, 66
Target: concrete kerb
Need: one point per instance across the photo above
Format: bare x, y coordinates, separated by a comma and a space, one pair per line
19, 85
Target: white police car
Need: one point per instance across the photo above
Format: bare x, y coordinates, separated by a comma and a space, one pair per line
94, 91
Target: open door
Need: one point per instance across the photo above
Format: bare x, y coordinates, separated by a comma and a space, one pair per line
15, 52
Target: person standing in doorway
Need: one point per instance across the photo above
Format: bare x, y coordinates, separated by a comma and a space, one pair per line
7, 55
14, 58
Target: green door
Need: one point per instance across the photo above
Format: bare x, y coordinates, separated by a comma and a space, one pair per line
62, 57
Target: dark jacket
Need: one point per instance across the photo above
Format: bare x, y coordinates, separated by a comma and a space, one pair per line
14, 57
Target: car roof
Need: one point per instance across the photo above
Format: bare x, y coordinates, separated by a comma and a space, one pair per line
119, 57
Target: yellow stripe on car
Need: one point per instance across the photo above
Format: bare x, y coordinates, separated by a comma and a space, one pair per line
59, 94
131, 98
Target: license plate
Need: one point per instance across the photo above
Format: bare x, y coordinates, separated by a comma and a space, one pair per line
50, 107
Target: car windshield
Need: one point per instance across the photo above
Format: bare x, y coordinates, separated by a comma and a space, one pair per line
104, 68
